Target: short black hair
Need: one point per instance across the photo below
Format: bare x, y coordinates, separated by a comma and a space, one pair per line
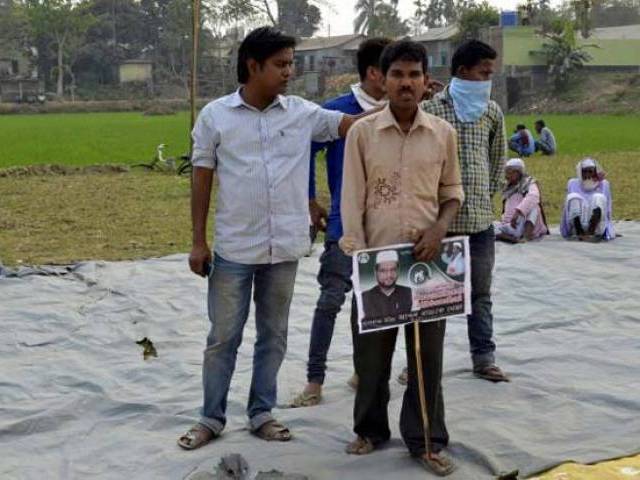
521, 126
369, 53
403, 50
541, 123
470, 54
261, 44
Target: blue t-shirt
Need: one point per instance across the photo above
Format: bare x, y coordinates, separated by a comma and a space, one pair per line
525, 141
335, 158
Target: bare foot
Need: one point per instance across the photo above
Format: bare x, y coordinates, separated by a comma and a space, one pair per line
313, 388
353, 381
528, 231
503, 237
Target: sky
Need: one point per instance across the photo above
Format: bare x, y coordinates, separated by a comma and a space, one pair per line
339, 19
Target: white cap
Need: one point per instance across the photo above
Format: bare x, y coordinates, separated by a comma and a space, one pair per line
458, 245
387, 256
515, 164
588, 163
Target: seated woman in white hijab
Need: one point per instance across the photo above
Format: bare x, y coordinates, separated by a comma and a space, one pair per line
522, 213
587, 208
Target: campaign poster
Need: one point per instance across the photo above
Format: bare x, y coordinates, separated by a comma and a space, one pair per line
392, 288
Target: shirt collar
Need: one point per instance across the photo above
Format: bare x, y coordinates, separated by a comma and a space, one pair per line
386, 120
235, 100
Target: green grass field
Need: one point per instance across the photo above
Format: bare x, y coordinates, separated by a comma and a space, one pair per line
67, 218
98, 138
89, 138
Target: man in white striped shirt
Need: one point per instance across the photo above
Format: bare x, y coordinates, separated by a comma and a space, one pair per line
258, 142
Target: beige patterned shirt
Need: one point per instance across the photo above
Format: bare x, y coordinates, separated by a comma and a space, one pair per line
394, 183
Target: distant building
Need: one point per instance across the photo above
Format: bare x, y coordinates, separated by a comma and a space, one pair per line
617, 46
136, 70
329, 55
522, 68
440, 45
8, 67
18, 75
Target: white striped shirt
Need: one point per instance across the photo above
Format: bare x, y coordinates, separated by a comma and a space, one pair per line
261, 159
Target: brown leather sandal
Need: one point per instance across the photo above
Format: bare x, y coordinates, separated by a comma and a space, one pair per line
196, 437
273, 431
437, 463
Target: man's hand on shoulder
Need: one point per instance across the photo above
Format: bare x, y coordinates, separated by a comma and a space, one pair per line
349, 120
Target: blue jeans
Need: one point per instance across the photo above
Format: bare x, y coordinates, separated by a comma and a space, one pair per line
230, 286
518, 148
334, 278
480, 322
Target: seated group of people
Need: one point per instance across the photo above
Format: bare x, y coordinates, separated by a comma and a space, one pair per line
586, 214
524, 144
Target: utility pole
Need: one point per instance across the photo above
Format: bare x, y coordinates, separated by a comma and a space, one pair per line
195, 32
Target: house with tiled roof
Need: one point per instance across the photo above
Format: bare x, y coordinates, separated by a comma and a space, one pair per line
330, 55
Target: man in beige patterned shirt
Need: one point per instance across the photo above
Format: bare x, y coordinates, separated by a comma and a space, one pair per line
401, 183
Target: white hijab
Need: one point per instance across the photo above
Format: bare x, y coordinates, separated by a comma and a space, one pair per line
590, 184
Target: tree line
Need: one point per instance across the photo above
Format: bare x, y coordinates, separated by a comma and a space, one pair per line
82, 42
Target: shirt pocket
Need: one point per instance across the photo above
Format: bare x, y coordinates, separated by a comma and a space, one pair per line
290, 141
423, 171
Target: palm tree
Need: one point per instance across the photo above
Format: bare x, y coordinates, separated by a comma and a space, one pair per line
366, 14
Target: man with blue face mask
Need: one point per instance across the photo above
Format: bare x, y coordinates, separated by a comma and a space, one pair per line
466, 104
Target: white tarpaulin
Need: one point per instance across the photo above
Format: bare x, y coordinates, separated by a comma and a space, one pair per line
77, 400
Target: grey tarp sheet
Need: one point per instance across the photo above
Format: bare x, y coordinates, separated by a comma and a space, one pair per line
77, 401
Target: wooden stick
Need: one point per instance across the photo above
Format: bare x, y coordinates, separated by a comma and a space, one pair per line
423, 399
195, 43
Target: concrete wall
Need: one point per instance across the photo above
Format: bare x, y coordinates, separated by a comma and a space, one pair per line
521, 42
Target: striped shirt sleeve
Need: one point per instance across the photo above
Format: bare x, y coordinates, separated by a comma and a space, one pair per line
205, 140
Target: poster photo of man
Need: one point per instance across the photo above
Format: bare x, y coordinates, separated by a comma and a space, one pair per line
393, 289
387, 298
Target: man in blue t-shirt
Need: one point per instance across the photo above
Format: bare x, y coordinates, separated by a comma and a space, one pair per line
334, 276
522, 142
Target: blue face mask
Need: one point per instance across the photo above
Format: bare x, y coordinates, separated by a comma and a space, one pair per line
470, 98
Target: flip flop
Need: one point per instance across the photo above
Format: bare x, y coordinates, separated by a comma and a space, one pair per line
305, 399
360, 446
273, 431
492, 373
440, 465
196, 437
